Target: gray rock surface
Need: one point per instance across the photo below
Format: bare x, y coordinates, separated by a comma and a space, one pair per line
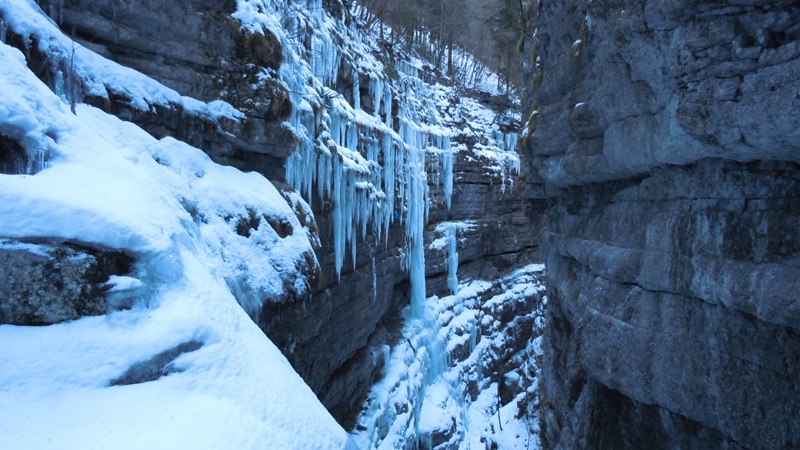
43, 284
156, 367
13, 157
665, 136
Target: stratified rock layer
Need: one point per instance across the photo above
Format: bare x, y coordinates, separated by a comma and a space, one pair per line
667, 136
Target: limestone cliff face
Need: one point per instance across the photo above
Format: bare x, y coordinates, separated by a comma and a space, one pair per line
666, 136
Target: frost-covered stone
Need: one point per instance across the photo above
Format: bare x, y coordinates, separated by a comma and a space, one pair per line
381, 155
192, 226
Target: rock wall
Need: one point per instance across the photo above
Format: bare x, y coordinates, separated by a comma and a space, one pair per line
665, 137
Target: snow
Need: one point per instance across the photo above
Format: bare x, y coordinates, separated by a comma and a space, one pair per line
452, 260
442, 228
108, 184
118, 283
55, 393
426, 396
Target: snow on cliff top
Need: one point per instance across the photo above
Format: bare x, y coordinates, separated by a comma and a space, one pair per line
100, 75
111, 185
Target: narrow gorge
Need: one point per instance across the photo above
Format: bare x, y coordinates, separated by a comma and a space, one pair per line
287, 225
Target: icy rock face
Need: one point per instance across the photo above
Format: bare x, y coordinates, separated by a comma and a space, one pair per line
665, 134
176, 361
383, 159
495, 229
333, 337
47, 284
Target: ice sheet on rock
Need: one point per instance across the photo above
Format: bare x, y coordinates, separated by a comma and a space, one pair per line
448, 243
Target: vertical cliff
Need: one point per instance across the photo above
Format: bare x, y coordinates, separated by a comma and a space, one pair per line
666, 138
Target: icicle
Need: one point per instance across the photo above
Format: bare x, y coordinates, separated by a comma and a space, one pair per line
339, 232
511, 142
325, 175
387, 355
376, 90
389, 165
374, 281
387, 106
325, 58
352, 135
350, 214
58, 87
417, 209
452, 258
356, 91
335, 127
38, 162
3, 30
448, 161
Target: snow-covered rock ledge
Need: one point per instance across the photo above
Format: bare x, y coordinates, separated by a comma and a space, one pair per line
178, 363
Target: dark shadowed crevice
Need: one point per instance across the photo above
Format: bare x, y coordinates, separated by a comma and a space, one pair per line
156, 367
13, 157
619, 422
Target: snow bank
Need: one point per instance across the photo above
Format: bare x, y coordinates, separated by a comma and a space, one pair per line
108, 184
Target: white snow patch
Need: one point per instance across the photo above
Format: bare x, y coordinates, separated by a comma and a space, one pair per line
111, 185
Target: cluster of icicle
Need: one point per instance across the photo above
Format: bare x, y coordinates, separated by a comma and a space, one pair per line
374, 175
